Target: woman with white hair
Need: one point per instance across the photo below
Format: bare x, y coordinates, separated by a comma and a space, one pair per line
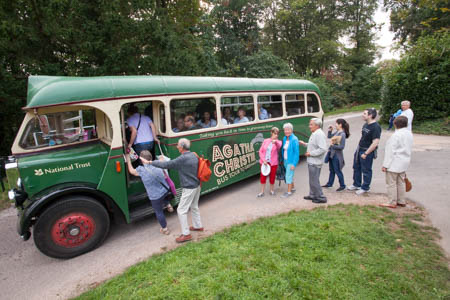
290, 155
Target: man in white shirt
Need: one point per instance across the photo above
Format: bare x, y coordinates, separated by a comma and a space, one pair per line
315, 153
396, 161
407, 112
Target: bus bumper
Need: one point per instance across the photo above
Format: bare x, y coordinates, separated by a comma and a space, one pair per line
21, 230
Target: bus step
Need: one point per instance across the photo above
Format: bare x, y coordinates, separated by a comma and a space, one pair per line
142, 211
137, 199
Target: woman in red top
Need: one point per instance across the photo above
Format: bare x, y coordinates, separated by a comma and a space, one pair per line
268, 155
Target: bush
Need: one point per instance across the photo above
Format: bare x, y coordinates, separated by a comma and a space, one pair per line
421, 76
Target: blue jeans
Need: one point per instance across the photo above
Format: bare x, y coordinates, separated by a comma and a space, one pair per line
335, 170
362, 168
158, 205
143, 146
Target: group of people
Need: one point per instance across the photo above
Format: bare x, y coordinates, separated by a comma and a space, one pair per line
274, 153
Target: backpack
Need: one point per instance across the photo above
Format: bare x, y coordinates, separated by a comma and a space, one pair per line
204, 169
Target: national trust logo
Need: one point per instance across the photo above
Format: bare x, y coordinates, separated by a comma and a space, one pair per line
38, 172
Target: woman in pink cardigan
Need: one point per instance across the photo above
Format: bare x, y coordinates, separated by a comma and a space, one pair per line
268, 155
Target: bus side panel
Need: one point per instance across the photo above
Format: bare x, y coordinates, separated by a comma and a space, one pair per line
233, 152
113, 181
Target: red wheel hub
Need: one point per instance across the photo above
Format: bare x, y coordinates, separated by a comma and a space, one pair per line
73, 230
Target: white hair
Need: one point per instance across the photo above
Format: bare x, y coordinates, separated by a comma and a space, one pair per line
288, 125
184, 143
406, 102
317, 121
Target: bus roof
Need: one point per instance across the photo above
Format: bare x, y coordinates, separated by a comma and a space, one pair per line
59, 90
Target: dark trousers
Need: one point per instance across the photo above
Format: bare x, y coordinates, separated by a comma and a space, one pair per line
143, 146
158, 205
335, 170
362, 169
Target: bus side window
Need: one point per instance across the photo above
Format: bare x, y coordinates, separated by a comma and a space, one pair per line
196, 113
295, 104
237, 109
313, 103
269, 106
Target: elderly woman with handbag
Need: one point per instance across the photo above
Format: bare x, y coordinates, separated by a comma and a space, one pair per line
268, 158
396, 161
156, 186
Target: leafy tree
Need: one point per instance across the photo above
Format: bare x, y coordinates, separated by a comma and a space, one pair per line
422, 77
306, 34
412, 18
366, 87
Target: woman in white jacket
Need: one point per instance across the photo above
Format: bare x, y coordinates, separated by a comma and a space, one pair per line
396, 161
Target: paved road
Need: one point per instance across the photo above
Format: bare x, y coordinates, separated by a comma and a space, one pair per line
27, 274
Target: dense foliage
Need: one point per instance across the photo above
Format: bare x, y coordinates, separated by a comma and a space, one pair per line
249, 38
422, 77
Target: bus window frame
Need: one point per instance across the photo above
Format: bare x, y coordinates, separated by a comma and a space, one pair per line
304, 93
170, 131
229, 105
283, 115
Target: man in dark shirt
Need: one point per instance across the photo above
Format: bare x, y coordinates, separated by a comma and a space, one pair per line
365, 153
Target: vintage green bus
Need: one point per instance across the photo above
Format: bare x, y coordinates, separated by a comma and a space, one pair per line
67, 173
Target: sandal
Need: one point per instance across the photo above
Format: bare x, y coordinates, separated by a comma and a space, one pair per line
169, 208
165, 231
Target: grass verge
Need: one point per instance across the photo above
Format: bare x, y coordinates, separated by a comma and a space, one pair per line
438, 126
352, 109
340, 252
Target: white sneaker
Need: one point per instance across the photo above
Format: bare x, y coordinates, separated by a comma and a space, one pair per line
285, 195
353, 188
361, 191
293, 190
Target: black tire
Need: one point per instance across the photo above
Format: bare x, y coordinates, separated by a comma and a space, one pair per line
51, 240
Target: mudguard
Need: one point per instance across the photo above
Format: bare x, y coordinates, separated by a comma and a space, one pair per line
51, 195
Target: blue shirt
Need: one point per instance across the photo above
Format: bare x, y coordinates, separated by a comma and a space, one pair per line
144, 133
153, 179
263, 114
238, 120
212, 123
293, 150
398, 113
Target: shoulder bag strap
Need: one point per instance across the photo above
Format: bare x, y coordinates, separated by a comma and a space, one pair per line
139, 124
153, 175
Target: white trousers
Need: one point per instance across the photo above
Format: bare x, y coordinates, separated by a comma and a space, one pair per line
189, 200
395, 183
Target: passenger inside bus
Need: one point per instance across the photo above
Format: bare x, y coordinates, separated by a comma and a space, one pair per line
206, 121
189, 123
241, 116
180, 123
227, 115
262, 112
224, 122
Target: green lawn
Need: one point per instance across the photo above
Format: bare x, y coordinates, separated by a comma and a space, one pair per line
341, 252
353, 109
438, 126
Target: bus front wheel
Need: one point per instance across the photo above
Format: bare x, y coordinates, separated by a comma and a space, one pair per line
71, 227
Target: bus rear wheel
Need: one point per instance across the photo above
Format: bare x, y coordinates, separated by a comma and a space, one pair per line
71, 227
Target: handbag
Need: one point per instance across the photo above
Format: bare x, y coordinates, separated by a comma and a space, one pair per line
168, 189
169, 181
408, 184
281, 170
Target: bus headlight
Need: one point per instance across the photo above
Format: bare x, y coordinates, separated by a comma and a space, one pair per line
11, 195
